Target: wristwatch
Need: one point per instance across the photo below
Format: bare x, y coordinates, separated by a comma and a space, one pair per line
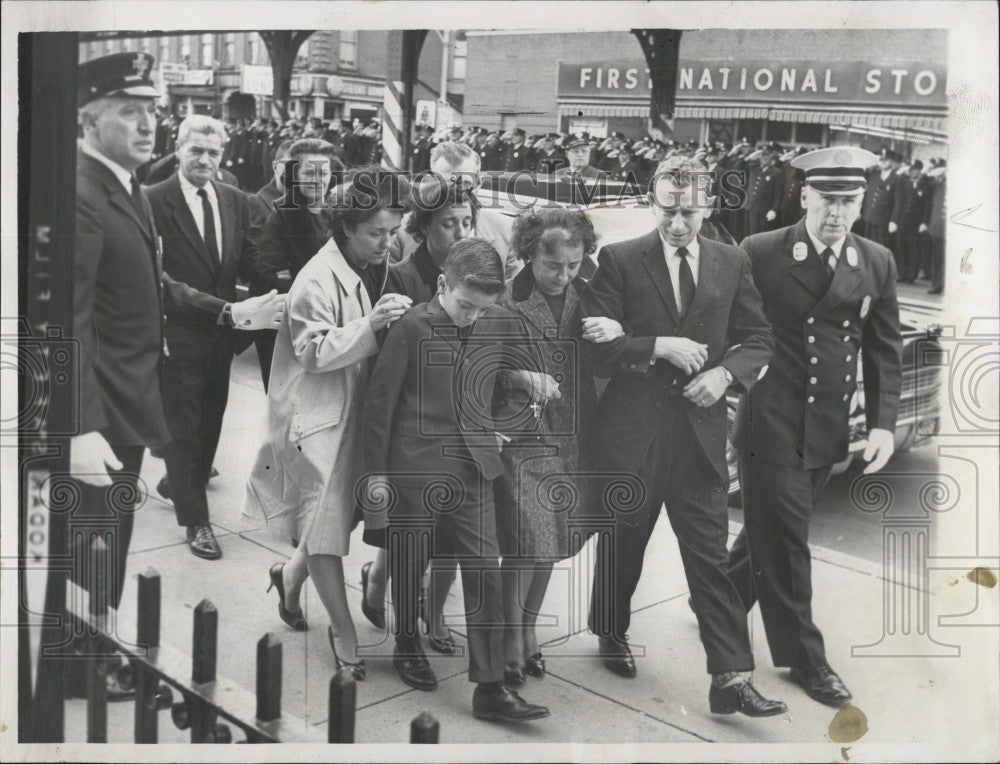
227, 316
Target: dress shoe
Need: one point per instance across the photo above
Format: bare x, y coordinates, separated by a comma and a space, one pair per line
377, 617
296, 620
497, 702
202, 542
413, 668
617, 657
513, 674
163, 488
357, 670
443, 645
535, 665
822, 684
743, 697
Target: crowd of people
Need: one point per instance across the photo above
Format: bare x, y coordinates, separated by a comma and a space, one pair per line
429, 371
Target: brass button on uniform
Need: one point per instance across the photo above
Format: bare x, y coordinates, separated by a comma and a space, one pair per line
847, 378
846, 396
846, 323
810, 339
810, 399
813, 380
847, 338
847, 358
810, 320
814, 360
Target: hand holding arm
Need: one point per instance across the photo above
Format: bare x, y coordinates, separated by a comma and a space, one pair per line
684, 353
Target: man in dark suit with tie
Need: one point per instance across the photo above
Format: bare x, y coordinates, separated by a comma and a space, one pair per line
693, 326
830, 295
204, 227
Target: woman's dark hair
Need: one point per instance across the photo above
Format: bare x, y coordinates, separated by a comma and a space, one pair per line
431, 195
366, 192
538, 230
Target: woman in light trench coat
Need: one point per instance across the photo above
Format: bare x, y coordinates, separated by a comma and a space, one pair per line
303, 481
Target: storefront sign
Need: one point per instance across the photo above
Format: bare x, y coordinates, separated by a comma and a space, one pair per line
908, 83
427, 112
257, 80
341, 86
598, 128
199, 77
171, 73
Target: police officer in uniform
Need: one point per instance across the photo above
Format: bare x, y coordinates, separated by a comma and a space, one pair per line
518, 156
766, 194
577, 148
880, 200
421, 152
829, 296
547, 157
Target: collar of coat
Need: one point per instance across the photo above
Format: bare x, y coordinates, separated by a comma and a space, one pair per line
524, 282
342, 270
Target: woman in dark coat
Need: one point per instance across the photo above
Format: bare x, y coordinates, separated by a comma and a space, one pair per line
536, 510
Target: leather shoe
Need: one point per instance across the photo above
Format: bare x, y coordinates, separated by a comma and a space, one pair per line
745, 698
617, 657
497, 702
163, 488
822, 684
202, 542
513, 674
376, 617
413, 668
535, 665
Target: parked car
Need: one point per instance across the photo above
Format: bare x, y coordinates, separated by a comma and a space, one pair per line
618, 217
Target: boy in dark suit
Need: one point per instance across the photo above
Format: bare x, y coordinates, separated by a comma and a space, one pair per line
431, 429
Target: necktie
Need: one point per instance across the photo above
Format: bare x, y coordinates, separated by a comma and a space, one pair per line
686, 278
211, 243
139, 202
830, 260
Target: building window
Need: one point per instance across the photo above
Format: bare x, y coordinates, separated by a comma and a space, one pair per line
751, 129
109, 46
253, 45
92, 50
128, 44
808, 133
779, 131
207, 50
145, 44
349, 49
720, 131
229, 57
458, 60
164, 49
186, 48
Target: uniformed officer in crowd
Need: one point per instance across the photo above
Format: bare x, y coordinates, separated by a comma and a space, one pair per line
491, 153
518, 156
420, 154
934, 224
548, 158
914, 194
765, 198
830, 296
577, 147
880, 199
790, 209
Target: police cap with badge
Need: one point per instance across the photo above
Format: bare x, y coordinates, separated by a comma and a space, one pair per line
119, 74
837, 170
577, 139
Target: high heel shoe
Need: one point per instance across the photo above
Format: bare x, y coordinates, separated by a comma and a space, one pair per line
357, 669
296, 620
535, 666
376, 617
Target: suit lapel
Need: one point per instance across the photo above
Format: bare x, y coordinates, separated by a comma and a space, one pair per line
708, 274
228, 226
846, 278
120, 198
809, 271
184, 220
656, 264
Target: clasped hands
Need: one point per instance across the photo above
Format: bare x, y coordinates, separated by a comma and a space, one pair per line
689, 356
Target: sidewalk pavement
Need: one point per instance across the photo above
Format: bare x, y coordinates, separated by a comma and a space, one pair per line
906, 700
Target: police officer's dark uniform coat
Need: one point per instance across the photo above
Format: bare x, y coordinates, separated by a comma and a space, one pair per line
878, 206
792, 425
517, 158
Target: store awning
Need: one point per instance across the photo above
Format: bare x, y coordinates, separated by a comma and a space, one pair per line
721, 112
916, 122
603, 110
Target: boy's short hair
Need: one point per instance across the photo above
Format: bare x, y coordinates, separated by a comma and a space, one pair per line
474, 264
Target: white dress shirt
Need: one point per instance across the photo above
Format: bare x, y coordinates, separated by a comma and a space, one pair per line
674, 265
119, 172
190, 191
837, 246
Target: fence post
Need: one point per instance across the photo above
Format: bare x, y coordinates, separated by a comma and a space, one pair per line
343, 700
424, 729
147, 689
95, 660
205, 642
269, 677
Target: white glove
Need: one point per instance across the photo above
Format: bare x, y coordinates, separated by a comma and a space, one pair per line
893, 228
880, 446
923, 228
770, 216
90, 456
263, 312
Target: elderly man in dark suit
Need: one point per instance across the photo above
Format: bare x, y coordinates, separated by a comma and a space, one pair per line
117, 313
831, 296
694, 326
204, 227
